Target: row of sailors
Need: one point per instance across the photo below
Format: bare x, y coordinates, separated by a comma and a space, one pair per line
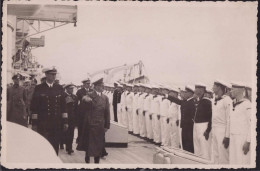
212, 128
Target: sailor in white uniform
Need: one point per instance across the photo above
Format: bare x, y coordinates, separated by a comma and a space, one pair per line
147, 112
221, 108
240, 127
123, 106
164, 113
155, 110
129, 107
136, 129
110, 98
141, 115
173, 121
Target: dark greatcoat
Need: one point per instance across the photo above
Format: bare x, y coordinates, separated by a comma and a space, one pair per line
80, 110
188, 109
16, 105
97, 118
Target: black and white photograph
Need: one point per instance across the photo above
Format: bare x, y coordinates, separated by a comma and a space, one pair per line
129, 84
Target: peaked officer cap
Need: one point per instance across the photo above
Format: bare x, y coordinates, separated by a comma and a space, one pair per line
98, 82
189, 88
51, 70
200, 85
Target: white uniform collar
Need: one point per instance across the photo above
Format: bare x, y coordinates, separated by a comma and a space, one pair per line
50, 85
98, 93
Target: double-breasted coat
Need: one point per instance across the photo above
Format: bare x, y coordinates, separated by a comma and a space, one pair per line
16, 105
80, 109
97, 118
49, 105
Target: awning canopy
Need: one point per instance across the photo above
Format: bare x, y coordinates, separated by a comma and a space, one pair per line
57, 13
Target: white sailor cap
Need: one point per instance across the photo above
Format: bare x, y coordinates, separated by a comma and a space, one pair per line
238, 85
225, 84
189, 88
148, 86
129, 85
200, 85
248, 86
165, 87
174, 89
209, 91
154, 86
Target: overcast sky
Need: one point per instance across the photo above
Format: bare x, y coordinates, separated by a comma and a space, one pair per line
178, 44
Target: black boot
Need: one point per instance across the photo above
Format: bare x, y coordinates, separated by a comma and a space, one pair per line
87, 159
96, 159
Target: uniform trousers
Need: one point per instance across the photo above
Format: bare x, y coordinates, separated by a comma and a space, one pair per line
187, 137
119, 114
201, 145
130, 119
111, 112
53, 136
164, 133
124, 117
115, 112
142, 126
148, 124
236, 153
136, 122
220, 153
156, 129
69, 137
173, 134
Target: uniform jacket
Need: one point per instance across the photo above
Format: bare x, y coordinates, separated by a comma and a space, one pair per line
240, 119
49, 104
16, 105
116, 97
97, 118
71, 104
187, 110
204, 112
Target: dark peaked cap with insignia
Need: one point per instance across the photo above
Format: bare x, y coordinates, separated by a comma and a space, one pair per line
98, 82
16, 76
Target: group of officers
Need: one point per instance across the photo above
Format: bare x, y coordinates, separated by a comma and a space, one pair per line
214, 125
211, 124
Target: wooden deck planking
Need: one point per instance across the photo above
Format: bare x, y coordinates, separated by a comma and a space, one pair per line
138, 152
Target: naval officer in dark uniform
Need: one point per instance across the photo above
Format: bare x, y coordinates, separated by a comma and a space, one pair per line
187, 115
48, 106
80, 112
71, 104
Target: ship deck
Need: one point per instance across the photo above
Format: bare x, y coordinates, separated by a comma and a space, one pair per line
139, 151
